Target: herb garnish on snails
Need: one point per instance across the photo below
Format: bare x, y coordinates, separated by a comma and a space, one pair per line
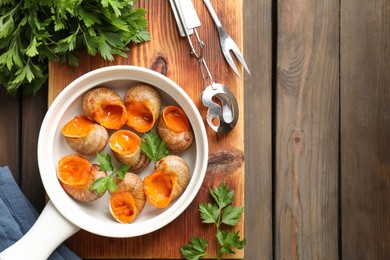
77, 175
126, 147
170, 177
128, 200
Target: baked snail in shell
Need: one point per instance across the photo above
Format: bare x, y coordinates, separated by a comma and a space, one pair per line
126, 147
174, 128
167, 182
84, 136
128, 200
106, 107
143, 105
76, 175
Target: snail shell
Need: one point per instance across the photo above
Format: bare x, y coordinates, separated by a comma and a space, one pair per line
128, 200
143, 104
167, 182
105, 107
84, 136
76, 175
174, 128
126, 147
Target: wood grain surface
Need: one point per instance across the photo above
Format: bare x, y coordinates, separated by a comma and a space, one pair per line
258, 99
365, 129
33, 110
306, 199
170, 54
307, 137
9, 132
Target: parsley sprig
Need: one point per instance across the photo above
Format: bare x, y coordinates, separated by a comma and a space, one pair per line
33, 32
153, 146
108, 182
218, 213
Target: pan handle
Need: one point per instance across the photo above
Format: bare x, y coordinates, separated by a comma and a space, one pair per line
48, 232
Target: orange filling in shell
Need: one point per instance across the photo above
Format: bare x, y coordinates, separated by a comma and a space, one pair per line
111, 115
124, 142
158, 188
123, 206
140, 116
74, 170
79, 126
175, 119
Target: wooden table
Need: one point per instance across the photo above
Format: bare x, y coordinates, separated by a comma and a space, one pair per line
169, 54
316, 124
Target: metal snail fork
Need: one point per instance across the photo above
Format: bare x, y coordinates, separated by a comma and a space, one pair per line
227, 43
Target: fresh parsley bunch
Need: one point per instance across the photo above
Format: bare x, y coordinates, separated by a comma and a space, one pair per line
33, 32
218, 213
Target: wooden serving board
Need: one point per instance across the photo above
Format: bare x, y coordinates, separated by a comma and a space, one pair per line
169, 54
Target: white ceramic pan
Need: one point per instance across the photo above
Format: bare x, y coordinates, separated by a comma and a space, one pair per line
63, 216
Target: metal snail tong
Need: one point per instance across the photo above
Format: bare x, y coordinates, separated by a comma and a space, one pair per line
222, 116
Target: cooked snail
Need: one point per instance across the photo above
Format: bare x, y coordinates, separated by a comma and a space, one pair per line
128, 200
76, 175
84, 136
167, 182
126, 147
105, 107
143, 104
174, 128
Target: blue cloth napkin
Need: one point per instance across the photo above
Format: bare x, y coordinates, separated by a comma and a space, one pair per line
17, 216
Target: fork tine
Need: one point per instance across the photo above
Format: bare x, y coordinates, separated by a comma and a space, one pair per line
229, 59
228, 45
240, 58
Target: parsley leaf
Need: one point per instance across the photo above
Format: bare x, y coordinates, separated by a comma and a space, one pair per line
111, 186
222, 195
231, 215
229, 241
153, 146
105, 163
104, 183
195, 250
122, 171
208, 213
100, 185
